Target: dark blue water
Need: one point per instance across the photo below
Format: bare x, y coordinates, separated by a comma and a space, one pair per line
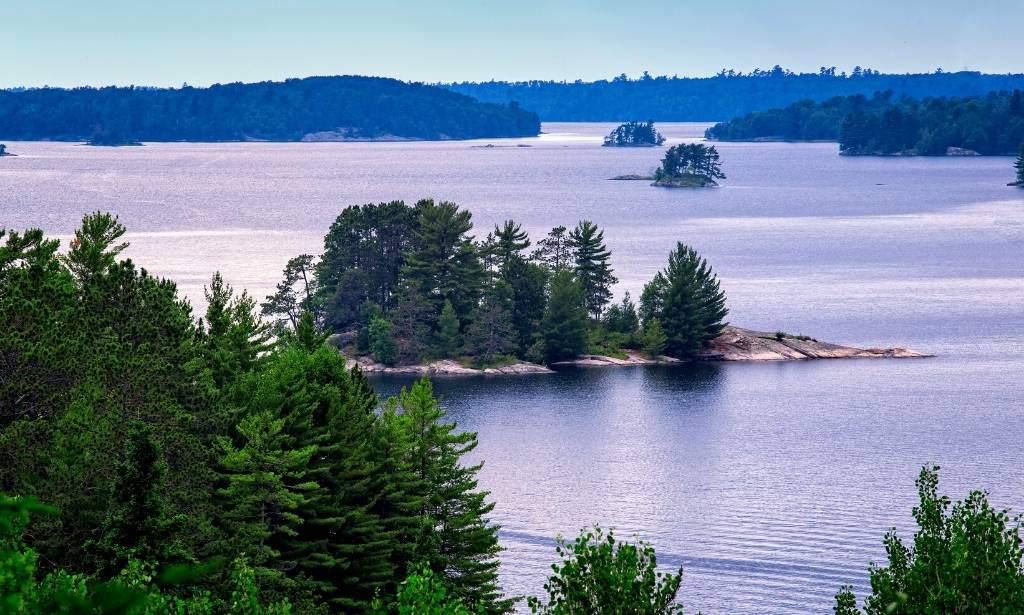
772, 484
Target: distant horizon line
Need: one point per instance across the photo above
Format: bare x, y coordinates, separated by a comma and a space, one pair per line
824, 72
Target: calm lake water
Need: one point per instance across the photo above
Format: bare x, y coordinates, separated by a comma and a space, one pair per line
772, 484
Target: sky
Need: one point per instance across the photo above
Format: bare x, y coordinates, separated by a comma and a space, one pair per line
167, 43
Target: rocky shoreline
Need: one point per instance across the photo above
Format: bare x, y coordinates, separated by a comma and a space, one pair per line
734, 344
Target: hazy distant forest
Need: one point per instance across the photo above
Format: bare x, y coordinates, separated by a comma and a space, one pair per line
728, 94
361, 107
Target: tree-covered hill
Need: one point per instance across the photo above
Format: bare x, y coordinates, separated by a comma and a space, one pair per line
989, 125
349, 106
727, 94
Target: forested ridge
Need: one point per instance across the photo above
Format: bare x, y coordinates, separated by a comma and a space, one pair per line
728, 94
884, 124
353, 106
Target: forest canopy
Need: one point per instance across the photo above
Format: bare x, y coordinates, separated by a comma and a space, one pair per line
729, 93
346, 106
883, 124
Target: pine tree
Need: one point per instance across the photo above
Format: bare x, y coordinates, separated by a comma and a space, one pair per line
138, 525
93, 252
654, 339
1019, 165
449, 340
265, 489
445, 263
295, 294
234, 339
687, 301
555, 250
510, 240
528, 283
592, 267
457, 541
491, 333
564, 327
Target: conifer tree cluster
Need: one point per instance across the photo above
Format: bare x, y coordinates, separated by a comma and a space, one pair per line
634, 134
161, 440
1019, 165
690, 160
408, 284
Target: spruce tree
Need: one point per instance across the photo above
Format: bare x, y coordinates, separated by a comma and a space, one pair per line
688, 302
456, 541
592, 267
564, 327
234, 339
449, 340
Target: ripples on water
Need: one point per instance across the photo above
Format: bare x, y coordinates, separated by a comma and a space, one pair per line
771, 484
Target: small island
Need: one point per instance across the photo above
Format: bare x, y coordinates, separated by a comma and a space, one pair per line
634, 134
4, 152
112, 136
1019, 165
689, 165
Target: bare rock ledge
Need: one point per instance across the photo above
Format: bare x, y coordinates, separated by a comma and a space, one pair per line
734, 344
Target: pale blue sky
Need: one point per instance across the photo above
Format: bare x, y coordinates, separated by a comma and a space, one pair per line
96, 42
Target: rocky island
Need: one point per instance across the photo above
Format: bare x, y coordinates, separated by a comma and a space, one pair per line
634, 134
735, 344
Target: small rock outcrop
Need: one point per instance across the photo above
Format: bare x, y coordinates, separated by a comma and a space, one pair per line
736, 344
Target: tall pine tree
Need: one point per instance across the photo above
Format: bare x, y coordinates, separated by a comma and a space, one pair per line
564, 327
592, 266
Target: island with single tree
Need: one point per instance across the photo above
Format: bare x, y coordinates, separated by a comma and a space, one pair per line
1019, 165
634, 134
4, 152
990, 125
343, 108
406, 289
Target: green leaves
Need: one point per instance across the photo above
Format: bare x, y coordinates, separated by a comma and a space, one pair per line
601, 576
965, 558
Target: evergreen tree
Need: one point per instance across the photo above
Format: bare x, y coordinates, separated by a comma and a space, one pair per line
686, 159
528, 284
509, 240
382, 341
265, 489
449, 339
491, 333
1019, 165
623, 318
457, 541
555, 250
654, 338
445, 264
592, 267
564, 327
138, 524
413, 318
234, 339
687, 301
93, 252
295, 294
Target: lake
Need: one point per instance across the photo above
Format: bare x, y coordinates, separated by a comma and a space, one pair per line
772, 484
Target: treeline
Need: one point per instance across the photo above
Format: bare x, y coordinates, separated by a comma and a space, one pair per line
158, 441
727, 94
990, 125
351, 106
408, 284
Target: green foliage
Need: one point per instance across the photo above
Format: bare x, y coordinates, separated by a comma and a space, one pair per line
509, 241
137, 525
564, 327
634, 134
654, 340
367, 106
690, 160
449, 339
382, 342
454, 537
1019, 165
601, 575
491, 333
730, 93
93, 252
424, 593
592, 266
265, 490
554, 251
991, 124
966, 558
233, 339
623, 318
295, 294
527, 282
846, 602
687, 301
